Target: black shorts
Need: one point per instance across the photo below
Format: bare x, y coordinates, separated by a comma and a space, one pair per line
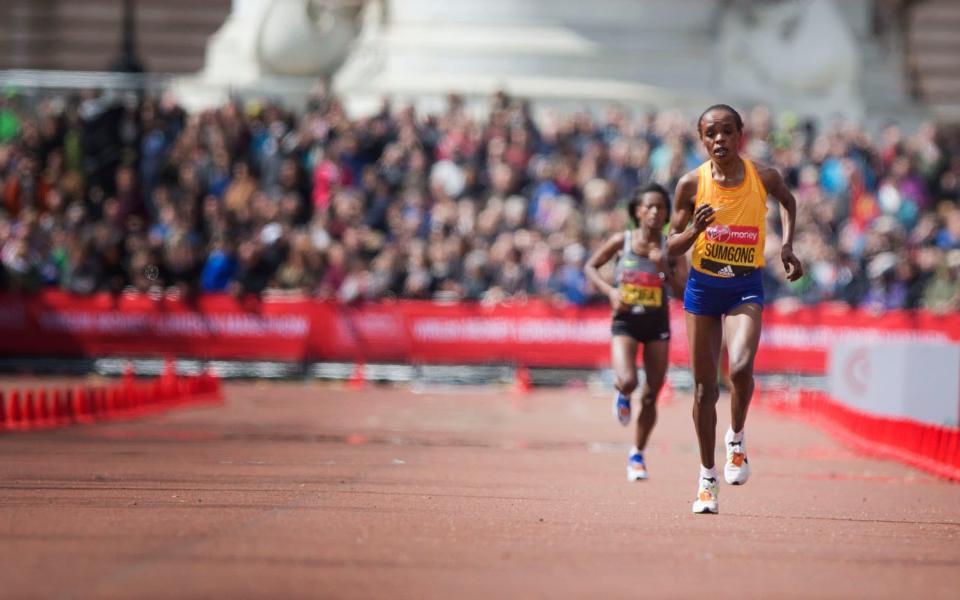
643, 327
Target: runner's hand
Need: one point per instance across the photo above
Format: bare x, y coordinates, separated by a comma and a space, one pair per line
791, 264
702, 217
616, 302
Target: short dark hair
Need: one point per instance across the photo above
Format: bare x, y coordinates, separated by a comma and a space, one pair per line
724, 107
636, 196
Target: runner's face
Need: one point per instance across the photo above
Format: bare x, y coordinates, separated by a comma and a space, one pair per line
719, 134
652, 210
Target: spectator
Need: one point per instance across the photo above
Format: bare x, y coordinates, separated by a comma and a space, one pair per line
298, 271
220, 266
82, 272
239, 193
570, 283
253, 273
942, 292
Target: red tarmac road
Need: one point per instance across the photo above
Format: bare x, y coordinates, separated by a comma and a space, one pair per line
306, 490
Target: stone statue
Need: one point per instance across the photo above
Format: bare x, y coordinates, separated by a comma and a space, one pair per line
792, 54
306, 37
273, 46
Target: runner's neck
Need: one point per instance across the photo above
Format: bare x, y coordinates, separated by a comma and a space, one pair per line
644, 236
732, 171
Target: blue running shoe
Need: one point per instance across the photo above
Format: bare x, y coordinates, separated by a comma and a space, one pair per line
621, 409
636, 468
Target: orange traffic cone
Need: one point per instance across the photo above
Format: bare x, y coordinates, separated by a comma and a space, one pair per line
44, 412
128, 375
357, 379
77, 399
168, 379
13, 417
60, 413
209, 386
5, 412
114, 402
216, 386
29, 417
523, 383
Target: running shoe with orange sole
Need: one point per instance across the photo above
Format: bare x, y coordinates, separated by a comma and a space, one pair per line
636, 468
737, 469
706, 502
621, 409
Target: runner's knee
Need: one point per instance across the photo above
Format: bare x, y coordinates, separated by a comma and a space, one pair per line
741, 372
626, 383
652, 387
648, 401
706, 394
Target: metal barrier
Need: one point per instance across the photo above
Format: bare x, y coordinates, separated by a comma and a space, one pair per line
25, 80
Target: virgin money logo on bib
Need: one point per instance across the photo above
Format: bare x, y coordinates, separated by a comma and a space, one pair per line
718, 233
733, 234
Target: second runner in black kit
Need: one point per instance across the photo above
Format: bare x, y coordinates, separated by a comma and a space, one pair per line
640, 310
641, 281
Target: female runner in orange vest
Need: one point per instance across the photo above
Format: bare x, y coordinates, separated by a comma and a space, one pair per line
726, 197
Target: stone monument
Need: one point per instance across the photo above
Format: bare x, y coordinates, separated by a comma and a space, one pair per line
803, 55
274, 48
816, 57
557, 52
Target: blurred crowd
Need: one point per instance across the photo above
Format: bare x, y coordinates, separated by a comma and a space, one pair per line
102, 192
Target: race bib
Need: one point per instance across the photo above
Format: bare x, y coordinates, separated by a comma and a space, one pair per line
732, 244
641, 289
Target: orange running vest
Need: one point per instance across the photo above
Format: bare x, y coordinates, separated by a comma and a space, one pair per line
733, 244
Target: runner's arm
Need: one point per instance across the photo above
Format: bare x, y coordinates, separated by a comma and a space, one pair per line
601, 257
788, 216
681, 238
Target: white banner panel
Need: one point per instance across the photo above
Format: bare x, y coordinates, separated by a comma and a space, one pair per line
915, 379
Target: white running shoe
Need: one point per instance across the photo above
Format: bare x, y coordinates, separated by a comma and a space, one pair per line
737, 469
706, 502
621, 409
636, 468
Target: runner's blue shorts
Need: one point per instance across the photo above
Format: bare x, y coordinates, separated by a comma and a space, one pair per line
715, 296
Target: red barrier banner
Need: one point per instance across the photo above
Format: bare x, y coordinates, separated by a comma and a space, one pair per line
58, 324
538, 334
534, 333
